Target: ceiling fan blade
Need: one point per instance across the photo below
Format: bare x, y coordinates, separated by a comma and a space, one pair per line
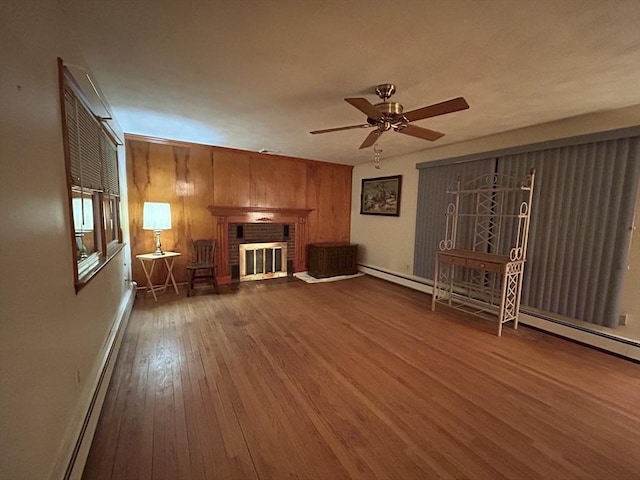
365, 106
450, 106
371, 138
327, 130
419, 132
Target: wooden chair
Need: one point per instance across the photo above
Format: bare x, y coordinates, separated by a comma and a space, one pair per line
203, 266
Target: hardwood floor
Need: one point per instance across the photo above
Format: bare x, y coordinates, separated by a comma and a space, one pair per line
357, 379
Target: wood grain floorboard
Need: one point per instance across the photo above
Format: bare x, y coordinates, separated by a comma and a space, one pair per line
356, 379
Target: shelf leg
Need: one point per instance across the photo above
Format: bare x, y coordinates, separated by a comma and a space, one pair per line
436, 280
503, 298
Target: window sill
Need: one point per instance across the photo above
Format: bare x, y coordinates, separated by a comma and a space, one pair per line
112, 251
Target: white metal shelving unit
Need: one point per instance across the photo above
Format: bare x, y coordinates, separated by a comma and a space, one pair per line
480, 265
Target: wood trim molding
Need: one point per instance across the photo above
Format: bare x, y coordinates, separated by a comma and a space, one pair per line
180, 143
225, 215
161, 141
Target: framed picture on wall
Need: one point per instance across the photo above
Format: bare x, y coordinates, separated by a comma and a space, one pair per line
381, 196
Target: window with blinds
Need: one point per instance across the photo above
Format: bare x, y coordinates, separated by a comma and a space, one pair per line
581, 219
94, 190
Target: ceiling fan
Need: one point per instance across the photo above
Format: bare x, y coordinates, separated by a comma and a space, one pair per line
388, 115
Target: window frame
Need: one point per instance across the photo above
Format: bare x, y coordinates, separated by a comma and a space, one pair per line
107, 193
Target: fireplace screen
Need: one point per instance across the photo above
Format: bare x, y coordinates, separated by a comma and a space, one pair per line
263, 260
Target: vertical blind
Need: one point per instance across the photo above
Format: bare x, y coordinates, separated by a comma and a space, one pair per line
432, 205
581, 221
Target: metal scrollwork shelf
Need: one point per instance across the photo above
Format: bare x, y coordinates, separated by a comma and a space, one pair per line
480, 265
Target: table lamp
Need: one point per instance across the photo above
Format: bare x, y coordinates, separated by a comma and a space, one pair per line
157, 217
82, 223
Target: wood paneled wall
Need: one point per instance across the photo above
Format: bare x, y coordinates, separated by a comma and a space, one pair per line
194, 177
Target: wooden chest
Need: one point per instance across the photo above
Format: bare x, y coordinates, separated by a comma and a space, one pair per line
331, 259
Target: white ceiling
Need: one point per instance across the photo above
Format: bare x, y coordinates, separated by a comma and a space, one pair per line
261, 74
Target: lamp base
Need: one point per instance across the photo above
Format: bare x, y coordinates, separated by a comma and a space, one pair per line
158, 244
81, 249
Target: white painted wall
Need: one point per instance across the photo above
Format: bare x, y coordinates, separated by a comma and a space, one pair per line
48, 334
387, 243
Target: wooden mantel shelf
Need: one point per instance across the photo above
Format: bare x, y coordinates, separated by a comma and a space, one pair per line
269, 213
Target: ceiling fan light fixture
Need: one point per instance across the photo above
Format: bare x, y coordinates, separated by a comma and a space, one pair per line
390, 115
389, 109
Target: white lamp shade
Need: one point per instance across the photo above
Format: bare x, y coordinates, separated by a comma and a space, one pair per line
82, 215
156, 216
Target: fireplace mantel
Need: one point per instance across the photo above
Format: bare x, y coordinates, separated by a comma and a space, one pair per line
226, 214
259, 214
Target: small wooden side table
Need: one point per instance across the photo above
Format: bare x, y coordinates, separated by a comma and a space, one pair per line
151, 259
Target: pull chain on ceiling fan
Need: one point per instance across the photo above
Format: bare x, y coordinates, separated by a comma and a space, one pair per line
389, 116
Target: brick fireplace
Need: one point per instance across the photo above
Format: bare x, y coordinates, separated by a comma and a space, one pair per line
259, 233
239, 225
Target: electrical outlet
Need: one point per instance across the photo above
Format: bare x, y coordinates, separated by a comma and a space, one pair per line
623, 319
